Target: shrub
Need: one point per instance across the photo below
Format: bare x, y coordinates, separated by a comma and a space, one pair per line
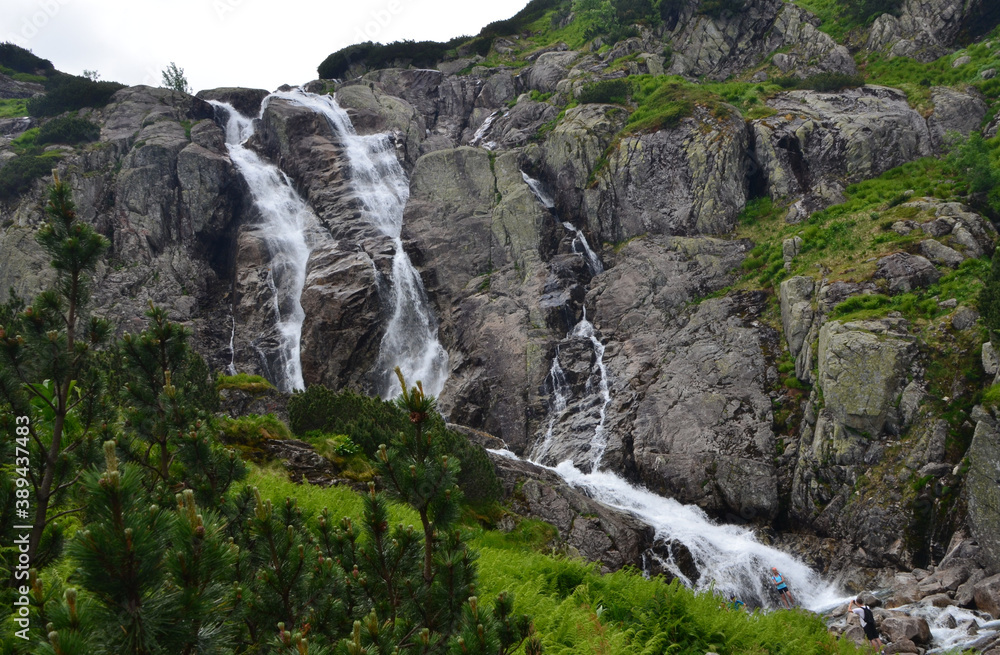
19, 173
369, 422
369, 55
718, 8
243, 382
69, 93
252, 429
824, 82
23, 61
69, 130
605, 92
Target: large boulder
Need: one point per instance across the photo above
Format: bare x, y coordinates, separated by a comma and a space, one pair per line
954, 111
818, 143
904, 272
862, 370
987, 594
924, 29
983, 489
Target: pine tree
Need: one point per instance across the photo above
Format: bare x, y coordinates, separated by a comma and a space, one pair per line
168, 397
46, 364
158, 581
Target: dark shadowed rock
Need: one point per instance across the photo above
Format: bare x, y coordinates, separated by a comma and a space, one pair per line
245, 101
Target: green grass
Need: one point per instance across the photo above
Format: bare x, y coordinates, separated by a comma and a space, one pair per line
13, 107
243, 382
576, 609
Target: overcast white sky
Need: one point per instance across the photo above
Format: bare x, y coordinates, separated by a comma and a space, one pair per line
251, 43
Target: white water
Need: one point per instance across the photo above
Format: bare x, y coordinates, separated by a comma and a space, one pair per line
729, 558
560, 397
536, 188
593, 261
599, 443
285, 219
411, 336
483, 129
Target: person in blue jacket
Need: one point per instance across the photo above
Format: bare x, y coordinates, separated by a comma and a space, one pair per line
779, 582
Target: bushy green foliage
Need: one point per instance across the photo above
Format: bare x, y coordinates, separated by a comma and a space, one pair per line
243, 382
976, 162
13, 107
18, 174
825, 82
21, 60
369, 56
606, 91
69, 93
370, 422
251, 429
69, 130
720, 8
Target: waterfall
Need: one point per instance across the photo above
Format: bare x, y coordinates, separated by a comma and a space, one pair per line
729, 558
536, 187
560, 396
411, 335
285, 218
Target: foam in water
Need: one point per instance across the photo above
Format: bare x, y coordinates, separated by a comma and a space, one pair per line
729, 558
285, 220
599, 442
411, 336
560, 397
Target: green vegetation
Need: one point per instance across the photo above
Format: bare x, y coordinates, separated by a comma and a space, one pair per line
20, 60
18, 174
614, 91
838, 17
173, 77
13, 107
371, 422
69, 130
70, 93
366, 56
243, 382
988, 301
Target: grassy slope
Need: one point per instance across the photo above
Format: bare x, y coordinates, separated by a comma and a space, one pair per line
578, 611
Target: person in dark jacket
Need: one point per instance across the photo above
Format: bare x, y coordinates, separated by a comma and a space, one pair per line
867, 623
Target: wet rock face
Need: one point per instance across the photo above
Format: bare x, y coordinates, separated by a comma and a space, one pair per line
168, 199
590, 529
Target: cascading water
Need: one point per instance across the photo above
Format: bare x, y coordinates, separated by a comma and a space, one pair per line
729, 558
285, 219
411, 335
560, 395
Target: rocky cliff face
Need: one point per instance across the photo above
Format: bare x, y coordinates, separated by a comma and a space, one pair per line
508, 192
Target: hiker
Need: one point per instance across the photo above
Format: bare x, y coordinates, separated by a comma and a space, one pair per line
867, 622
779, 582
735, 603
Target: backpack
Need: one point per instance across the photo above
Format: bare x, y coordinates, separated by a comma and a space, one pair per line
869, 617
